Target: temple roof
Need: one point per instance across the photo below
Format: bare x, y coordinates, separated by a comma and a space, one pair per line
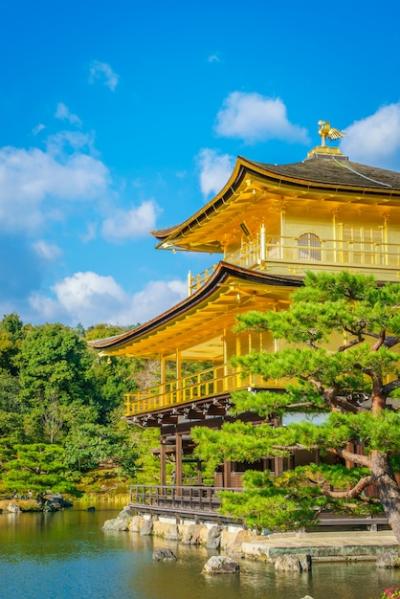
218, 297
337, 172
336, 177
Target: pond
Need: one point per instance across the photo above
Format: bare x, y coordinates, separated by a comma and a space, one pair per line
66, 555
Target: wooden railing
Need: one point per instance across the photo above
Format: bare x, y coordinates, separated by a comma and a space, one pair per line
381, 259
312, 250
196, 281
174, 496
213, 381
199, 500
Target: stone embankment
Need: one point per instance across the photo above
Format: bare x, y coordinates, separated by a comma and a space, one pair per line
241, 543
51, 503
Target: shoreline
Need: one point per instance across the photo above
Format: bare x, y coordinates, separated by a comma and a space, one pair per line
244, 543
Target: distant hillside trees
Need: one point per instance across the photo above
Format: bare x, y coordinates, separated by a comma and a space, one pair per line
61, 404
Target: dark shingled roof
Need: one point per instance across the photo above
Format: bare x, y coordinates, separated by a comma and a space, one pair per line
337, 171
331, 172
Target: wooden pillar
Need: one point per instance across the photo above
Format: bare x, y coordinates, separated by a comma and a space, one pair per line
163, 374
178, 376
282, 234
178, 461
250, 342
334, 234
227, 474
385, 241
163, 464
263, 244
278, 466
350, 447
225, 354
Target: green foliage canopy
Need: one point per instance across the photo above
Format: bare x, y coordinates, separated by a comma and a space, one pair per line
339, 357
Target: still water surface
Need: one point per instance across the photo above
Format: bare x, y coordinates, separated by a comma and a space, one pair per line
67, 556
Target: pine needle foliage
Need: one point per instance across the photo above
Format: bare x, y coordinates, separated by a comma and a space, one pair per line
339, 359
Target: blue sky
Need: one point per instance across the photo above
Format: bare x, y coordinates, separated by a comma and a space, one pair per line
117, 117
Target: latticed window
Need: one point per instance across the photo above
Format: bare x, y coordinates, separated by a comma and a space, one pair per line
309, 247
363, 245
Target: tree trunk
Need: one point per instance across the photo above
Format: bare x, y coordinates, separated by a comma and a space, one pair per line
388, 489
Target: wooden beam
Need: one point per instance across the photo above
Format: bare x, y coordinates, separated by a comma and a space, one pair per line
227, 474
178, 459
163, 464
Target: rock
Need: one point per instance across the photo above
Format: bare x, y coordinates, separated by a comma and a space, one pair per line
305, 562
166, 529
220, 564
213, 538
388, 559
232, 538
119, 523
55, 503
190, 534
135, 524
127, 512
13, 508
293, 563
146, 527
164, 555
91, 509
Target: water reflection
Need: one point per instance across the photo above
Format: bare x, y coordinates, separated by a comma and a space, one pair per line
66, 556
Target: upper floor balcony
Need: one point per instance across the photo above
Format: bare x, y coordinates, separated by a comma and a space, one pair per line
297, 254
212, 382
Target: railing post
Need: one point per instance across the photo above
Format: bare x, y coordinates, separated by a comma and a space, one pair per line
178, 375
189, 282
225, 354
262, 248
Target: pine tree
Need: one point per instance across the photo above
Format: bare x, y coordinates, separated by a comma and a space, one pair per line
340, 360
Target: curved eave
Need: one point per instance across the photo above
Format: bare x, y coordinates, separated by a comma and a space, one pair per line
221, 273
216, 202
241, 169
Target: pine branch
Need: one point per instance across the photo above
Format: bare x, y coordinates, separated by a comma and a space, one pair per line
380, 341
362, 484
350, 344
356, 458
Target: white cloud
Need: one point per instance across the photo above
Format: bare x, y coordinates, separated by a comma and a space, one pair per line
38, 128
88, 297
63, 141
47, 251
129, 224
376, 138
64, 114
32, 179
102, 71
215, 170
253, 117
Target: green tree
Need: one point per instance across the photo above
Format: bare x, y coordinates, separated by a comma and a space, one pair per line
90, 445
55, 362
37, 468
54, 376
11, 334
342, 333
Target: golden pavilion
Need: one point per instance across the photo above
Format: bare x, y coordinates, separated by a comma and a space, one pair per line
267, 226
